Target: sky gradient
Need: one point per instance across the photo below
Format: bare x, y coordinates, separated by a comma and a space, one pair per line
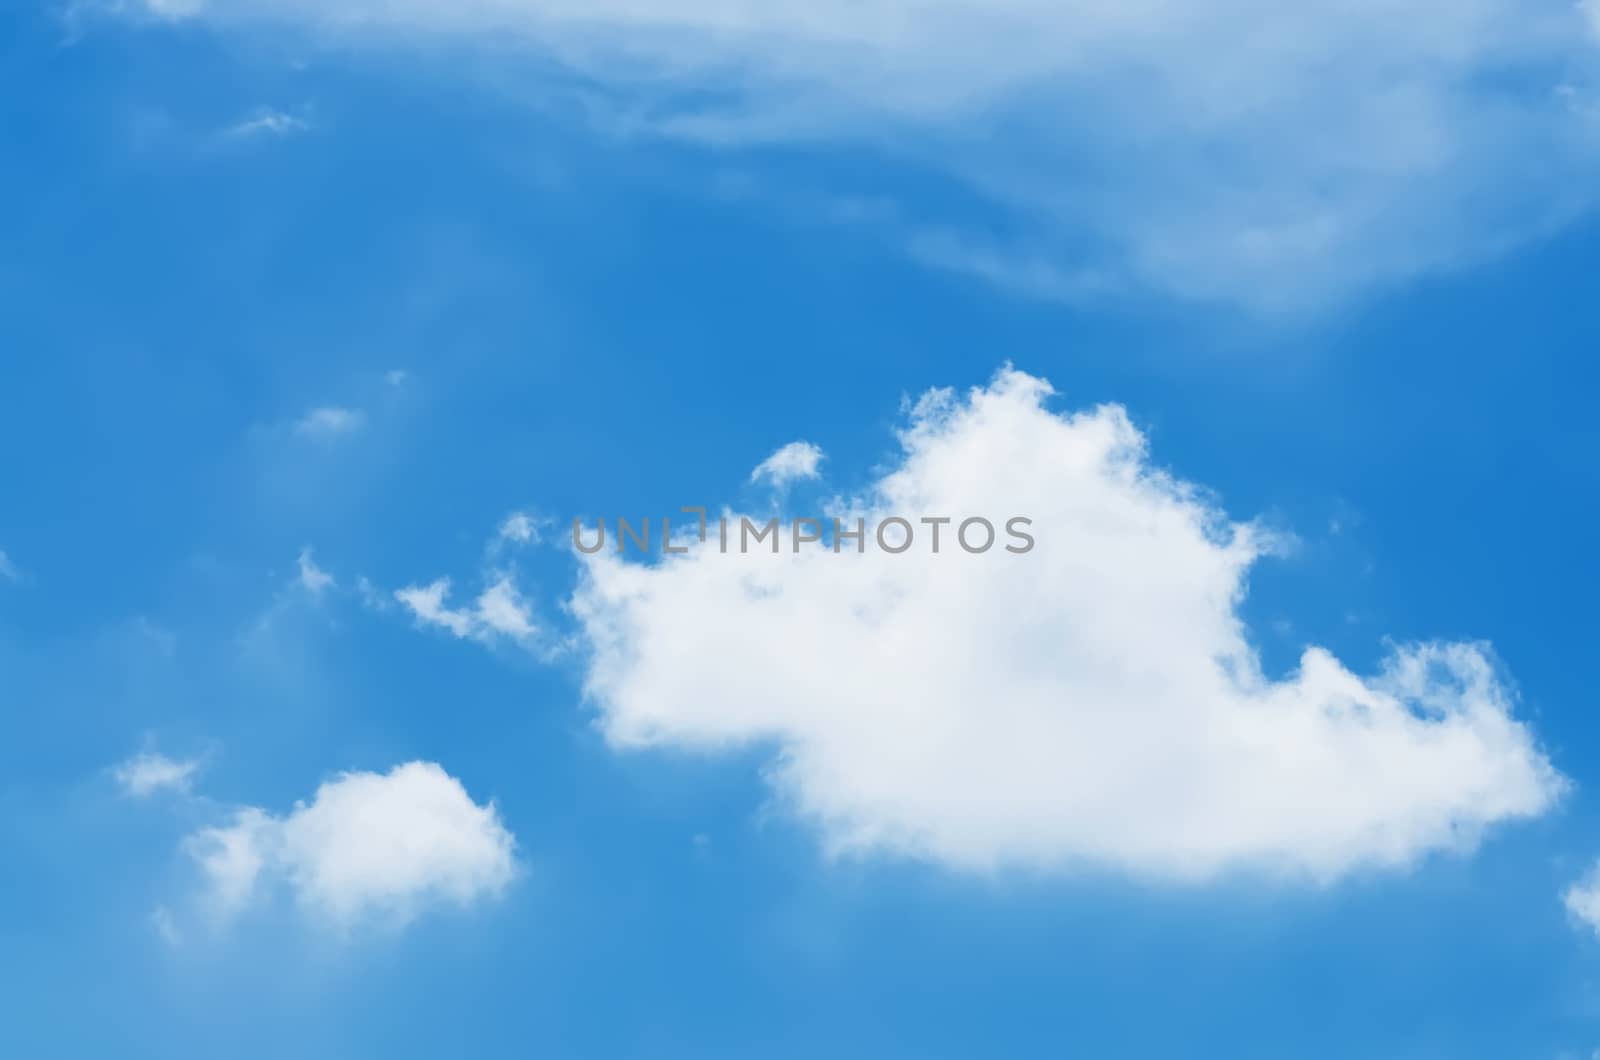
319, 326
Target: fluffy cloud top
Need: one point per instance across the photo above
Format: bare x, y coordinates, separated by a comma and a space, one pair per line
1092, 701
367, 844
797, 460
149, 772
1242, 149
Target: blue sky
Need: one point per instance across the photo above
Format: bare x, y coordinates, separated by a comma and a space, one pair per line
298, 312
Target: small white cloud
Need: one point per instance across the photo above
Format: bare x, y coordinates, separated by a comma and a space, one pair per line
267, 121
149, 772
329, 421
366, 845
797, 460
500, 610
520, 528
396, 377
427, 603
1582, 900
8, 570
312, 577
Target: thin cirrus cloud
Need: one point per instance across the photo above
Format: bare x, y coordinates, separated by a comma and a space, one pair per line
366, 846
328, 422
1278, 155
1094, 702
266, 122
150, 772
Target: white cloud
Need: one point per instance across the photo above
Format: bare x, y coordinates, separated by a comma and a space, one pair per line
426, 602
149, 772
232, 858
329, 422
1094, 701
797, 460
396, 377
1582, 900
312, 577
7, 570
500, 610
367, 844
266, 121
520, 528
1265, 152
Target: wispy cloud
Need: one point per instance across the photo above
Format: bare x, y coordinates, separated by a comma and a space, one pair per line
266, 122
1582, 900
312, 577
329, 421
165, 925
371, 596
502, 610
797, 460
8, 570
1279, 155
427, 603
149, 772
164, 639
1023, 271
520, 528
499, 611
175, 8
